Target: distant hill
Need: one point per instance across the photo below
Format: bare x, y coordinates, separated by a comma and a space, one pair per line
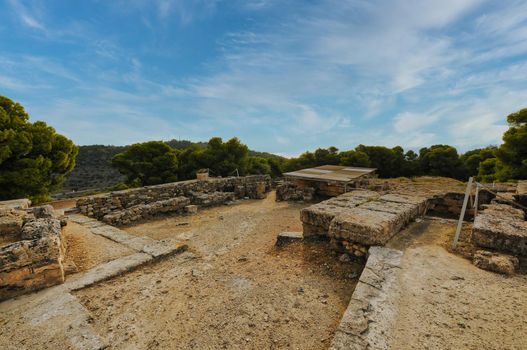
94, 170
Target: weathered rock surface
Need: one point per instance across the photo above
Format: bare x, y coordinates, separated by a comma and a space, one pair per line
362, 217
501, 227
11, 221
317, 218
35, 261
291, 192
288, 237
521, 193
495, 262
144, 211
372, 308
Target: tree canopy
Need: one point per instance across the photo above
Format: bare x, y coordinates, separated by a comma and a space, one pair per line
34, 158
148, 163
513, 152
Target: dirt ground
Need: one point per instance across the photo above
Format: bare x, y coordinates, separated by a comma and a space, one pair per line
86, 250
447, 303
233, 289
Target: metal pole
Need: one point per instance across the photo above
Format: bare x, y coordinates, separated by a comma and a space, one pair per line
476, 200
463, 209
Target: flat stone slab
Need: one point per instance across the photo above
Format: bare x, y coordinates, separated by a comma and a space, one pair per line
164, 248
323, 213
501, 227
405, 211
367, 227
288, 237
500, 263
371, 312
22, 203
108, 270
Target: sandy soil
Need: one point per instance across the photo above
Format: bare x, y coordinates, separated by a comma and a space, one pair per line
63, 203
232, 290
86, 250
447, 303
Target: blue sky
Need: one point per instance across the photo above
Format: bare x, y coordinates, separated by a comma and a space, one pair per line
285, 76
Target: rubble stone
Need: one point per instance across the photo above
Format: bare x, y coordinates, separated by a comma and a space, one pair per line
521, 193
35, 261
289, 191
500, 263
288, 237
114, 206
144, 211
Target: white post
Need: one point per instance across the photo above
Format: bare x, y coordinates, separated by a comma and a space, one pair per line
476, 200
463, 209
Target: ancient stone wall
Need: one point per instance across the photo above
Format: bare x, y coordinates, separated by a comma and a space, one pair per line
32, 254
124, 207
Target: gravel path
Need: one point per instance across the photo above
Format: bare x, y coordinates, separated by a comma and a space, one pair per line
447, 303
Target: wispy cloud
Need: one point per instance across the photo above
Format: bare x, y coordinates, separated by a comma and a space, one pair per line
25, 16
285, 76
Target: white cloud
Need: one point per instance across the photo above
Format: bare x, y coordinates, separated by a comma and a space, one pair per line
25, 17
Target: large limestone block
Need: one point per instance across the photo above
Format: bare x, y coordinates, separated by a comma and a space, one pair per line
40, 228
321, 214
500, 263
367, 227
521, 193
30, 279
500, 233
30, 253
11, 221
421, 203
406, 211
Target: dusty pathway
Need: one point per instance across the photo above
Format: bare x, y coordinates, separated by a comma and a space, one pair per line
232, 290
447, 303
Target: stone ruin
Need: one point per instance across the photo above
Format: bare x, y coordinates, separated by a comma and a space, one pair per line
359, 219
356, 220
500, 231
31, 249
128, 206
300, 190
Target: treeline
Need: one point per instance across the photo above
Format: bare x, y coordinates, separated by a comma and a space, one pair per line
156, 162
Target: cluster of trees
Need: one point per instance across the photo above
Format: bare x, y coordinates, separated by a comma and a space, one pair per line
436, 160
33, 158
156, 162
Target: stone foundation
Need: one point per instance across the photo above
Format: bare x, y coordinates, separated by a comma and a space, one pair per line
34, 260
500, 263
359, 219
502, 228
125, 207
289, 191
521, 193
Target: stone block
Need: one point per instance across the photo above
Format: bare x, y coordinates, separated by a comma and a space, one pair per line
501, 227
287, 237
191, 209
366, 227
500, 263
321, 214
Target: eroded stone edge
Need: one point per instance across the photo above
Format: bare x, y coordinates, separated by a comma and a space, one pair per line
371, 311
